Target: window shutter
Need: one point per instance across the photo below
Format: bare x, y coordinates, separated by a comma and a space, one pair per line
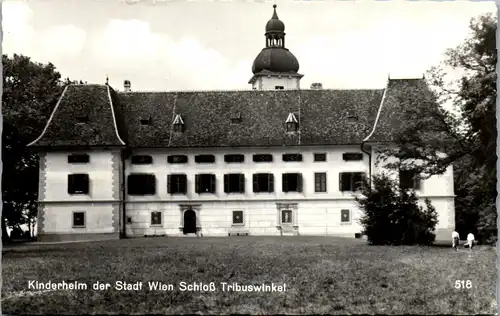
183, 183
299, 182
270, 179
169, 183
317, 182
197, 183
416, 182
255, 183
212, 183
71, 183
345, 181
226, 183
152, 184
284, 184
85, 183
242, 183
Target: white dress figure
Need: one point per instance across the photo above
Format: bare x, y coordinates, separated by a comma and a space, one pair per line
456, 240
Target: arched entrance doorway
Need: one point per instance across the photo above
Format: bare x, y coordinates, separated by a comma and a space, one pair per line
189, 222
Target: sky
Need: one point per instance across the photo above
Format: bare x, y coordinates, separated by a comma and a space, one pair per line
162, 45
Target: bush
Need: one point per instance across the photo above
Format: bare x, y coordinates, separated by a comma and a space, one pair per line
392, 216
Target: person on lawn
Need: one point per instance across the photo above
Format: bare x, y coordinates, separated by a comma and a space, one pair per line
470, 241
456, 240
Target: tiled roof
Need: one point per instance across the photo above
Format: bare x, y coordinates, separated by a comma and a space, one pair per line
401, 98
90, 101
209, 116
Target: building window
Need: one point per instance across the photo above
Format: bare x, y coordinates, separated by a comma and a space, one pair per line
352, 119
78, 158
177, 159
345, 216
279, 87
409, 179
292, 124
129, 220
352, 156
263, 182
319, 157
238, 218
351, 181
292, 182
292, 157
236, 118
78, 219
146, 121
141, 160
234, 158
286, 216
177, 184
320, 182
178, 124
156, 218
82, 119
141, 184
204, 159
234, 183
78, 183
205, 183
263, 158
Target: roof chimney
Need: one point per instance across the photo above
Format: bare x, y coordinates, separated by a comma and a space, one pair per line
126, 86
317, 86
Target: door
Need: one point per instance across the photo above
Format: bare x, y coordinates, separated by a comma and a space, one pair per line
189, 222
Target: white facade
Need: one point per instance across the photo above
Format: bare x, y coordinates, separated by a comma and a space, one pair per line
313, 213
276, 82
101, 205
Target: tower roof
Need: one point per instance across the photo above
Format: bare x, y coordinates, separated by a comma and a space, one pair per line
275, 24
275, 58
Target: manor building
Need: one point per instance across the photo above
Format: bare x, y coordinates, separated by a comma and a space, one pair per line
273, 160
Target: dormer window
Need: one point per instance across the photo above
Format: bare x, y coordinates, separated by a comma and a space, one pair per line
82, 119
292, 124
145, 121
352, 118
178, 124
236, 118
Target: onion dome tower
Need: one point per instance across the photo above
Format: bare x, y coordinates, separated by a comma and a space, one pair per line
275, 67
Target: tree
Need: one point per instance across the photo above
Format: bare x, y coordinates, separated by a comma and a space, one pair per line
465, 132
393, 216
30, 92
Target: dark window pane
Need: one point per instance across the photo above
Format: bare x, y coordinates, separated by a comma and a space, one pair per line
78, 158
204, 159
177, 159
319, 157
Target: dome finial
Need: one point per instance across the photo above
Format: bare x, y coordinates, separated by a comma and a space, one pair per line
275, 15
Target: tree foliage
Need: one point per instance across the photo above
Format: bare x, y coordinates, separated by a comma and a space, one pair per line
463, 127
393, 216
30, 92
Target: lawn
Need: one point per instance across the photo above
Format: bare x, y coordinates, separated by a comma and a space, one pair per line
322, 275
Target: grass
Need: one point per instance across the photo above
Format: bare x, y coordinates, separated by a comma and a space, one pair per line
322, 275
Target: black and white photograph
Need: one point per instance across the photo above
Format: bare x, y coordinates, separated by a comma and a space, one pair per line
249, 157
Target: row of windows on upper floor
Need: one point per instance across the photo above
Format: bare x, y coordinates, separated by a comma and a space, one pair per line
231, 158
145, 184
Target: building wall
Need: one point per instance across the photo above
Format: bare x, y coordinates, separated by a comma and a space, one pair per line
439, 189
333, 166
314, 213
270, 82
101, 205
319, 217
